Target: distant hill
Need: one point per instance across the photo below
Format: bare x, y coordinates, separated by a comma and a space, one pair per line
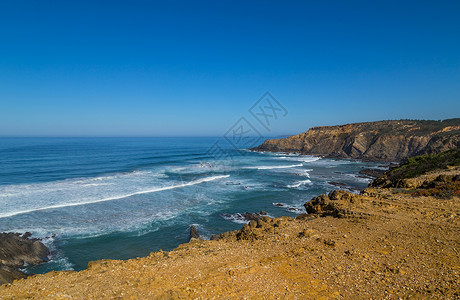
381, 140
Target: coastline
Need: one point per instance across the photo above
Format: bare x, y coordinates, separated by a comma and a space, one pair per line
91, 232
384, 242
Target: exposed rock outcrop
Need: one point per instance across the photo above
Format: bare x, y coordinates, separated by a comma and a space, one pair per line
338, 204
194, 234
382, 140
16, 251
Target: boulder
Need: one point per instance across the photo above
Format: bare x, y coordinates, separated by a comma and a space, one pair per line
336, 204
194, 234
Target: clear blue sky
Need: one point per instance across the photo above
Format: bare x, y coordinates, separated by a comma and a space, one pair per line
181, 68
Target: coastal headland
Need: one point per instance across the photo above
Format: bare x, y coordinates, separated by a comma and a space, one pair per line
391, 141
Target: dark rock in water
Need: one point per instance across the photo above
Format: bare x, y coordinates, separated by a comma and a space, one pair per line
289, 208
194, 233
337, 183
247, 216
375, 173
295, 210
27, 235
252, 216
16, 251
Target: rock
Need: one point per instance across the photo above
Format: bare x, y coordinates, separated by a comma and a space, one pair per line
336, 204
214, 237
194, 233
305, 217
318, 204
247, 216
246, 233
259, 229
375, 173
341, 195
10, 275
379, 141
16, 251
337, 183
27, 235
252, 216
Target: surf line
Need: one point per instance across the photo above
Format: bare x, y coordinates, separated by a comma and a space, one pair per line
194, 182
273, 167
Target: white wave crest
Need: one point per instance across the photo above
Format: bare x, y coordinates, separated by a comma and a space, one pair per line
299, 183
194, 182
302, 158
273, 167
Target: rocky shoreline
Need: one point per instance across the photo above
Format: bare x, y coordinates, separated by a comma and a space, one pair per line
389, 241
18, 251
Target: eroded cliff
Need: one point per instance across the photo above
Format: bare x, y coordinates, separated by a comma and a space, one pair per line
382, 140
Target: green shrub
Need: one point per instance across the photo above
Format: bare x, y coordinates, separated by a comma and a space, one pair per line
418, 165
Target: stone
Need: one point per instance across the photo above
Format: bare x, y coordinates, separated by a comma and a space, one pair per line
194, 233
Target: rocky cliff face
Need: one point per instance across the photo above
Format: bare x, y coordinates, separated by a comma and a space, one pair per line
16, 251
382, 140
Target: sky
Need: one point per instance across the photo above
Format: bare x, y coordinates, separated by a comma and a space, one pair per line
194, 68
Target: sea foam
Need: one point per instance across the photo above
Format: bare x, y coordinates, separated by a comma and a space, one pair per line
273, 167
159, 189
299, 183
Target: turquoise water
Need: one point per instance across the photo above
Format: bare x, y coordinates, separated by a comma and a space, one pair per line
119, 198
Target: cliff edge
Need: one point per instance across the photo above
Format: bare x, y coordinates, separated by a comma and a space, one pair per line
381, 140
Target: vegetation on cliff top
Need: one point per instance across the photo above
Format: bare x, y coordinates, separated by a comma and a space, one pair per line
422, 164
404, 126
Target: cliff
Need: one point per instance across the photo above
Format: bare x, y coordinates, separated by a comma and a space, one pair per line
382, 140
385, 243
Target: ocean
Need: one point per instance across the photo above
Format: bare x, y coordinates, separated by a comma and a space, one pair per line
120, 198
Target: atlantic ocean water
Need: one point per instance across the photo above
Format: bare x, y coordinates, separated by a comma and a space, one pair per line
119, 198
